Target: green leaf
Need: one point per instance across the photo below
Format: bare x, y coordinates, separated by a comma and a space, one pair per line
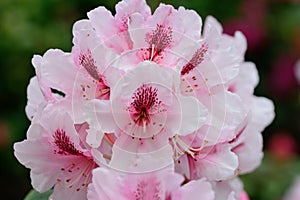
34, 195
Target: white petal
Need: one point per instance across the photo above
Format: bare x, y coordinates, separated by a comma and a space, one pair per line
193, 115
141, 162
99, 115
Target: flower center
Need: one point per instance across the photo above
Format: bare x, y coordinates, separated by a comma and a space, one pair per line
144, 103
158, 40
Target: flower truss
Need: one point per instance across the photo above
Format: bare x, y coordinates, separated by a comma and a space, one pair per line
145, 107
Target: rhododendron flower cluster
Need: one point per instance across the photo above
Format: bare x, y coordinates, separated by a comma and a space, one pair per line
145, 106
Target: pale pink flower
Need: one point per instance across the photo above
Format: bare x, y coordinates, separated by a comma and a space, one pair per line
80, 75
145, 111
165, 34
113, 30
56, 156
138, 93
164, 184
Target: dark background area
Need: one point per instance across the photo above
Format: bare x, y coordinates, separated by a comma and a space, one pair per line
272, 28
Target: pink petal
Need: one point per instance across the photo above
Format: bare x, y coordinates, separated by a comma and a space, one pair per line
230, 189
57, 71
193, 115
35, 98
194, 190
263, 112
126, 8
217, 163
248, 148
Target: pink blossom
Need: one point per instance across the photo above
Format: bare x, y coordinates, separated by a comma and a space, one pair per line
56, 157
163, 184
145, 112
113, 30
84, 71
143, 95
162, 37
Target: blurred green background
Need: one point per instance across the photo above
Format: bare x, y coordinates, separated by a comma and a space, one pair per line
272, 27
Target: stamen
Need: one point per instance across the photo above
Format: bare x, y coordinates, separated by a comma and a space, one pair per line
88, 62
158, 40
152, 51
182, 147
144, 101
144, 125
197, 58
102, 90
108, 157
64, 144
85, 173
109, 139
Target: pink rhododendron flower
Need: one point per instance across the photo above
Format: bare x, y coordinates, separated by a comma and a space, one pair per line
56, 156
145, 106
147, 110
